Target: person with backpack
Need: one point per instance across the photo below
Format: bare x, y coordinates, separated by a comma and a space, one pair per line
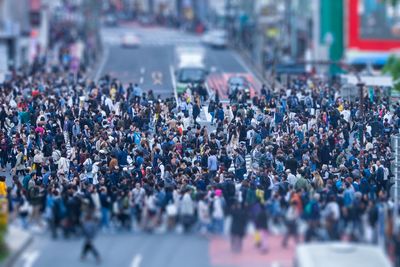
291, 219
220, 113
240, 165
57, 210
261, 223
312, 216
211, 110
88, 164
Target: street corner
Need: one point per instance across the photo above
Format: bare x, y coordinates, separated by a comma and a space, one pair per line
221, 255
17, 241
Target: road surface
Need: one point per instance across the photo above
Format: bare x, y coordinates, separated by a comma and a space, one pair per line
151, 65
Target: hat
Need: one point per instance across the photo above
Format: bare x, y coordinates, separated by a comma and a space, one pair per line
218, 192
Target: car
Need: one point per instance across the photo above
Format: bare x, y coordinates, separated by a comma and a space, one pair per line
190, 76
130, 41
216, 38
111, 21
240, 83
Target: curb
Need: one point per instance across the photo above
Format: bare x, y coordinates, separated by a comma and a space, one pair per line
13, 257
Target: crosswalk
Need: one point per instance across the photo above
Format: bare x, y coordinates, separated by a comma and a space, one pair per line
67, 144
155, 40
248, 164
219, 82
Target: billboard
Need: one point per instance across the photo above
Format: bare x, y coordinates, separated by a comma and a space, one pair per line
373, 25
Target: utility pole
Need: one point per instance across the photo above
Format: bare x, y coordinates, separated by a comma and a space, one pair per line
395, 143
360, 86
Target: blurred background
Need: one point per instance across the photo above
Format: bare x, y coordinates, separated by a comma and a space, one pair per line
165, 45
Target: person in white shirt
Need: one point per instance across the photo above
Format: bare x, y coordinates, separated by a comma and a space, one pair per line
186, 210
331, 213
217, 213
203, 213
291, 178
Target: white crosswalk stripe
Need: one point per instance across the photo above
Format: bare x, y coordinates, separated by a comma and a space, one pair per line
248, 164
204, 116
67, 144
155, 41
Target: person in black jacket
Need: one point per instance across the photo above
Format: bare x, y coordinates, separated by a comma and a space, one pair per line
195, 112
238, 227
261, 222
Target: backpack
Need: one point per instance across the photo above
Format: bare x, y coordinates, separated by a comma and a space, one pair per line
311, 210
308, 102
59, 208
89, 166
257, 138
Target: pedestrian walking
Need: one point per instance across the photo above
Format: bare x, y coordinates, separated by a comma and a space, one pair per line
238, 227
89, 228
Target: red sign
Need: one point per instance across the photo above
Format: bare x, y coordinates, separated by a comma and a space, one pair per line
373, 26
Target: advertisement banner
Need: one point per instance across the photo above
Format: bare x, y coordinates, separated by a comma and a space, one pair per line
373, 25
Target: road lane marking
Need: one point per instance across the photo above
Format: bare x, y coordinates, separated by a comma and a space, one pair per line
242, 63
141, 80
157, 77
102, 63
142, 70
30, 257
136, 260
247, 69
172, 72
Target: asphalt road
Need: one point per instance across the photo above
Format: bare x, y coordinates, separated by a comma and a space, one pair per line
151, 65
122, 250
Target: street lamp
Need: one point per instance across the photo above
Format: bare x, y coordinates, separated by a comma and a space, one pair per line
360, 86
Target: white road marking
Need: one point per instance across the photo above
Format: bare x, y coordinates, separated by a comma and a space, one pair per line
102, 63
136, 260
242, 63
141, 80
211, 93
157, 77
30, 257
172, 72
142, 70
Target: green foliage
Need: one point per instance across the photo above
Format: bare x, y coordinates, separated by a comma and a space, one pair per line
3, 246
392, 67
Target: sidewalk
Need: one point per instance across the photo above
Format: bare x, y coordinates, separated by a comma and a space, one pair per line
17, 241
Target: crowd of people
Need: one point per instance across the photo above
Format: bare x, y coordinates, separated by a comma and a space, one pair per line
302, 160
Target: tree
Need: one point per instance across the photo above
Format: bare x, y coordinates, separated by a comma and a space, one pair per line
392, 67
